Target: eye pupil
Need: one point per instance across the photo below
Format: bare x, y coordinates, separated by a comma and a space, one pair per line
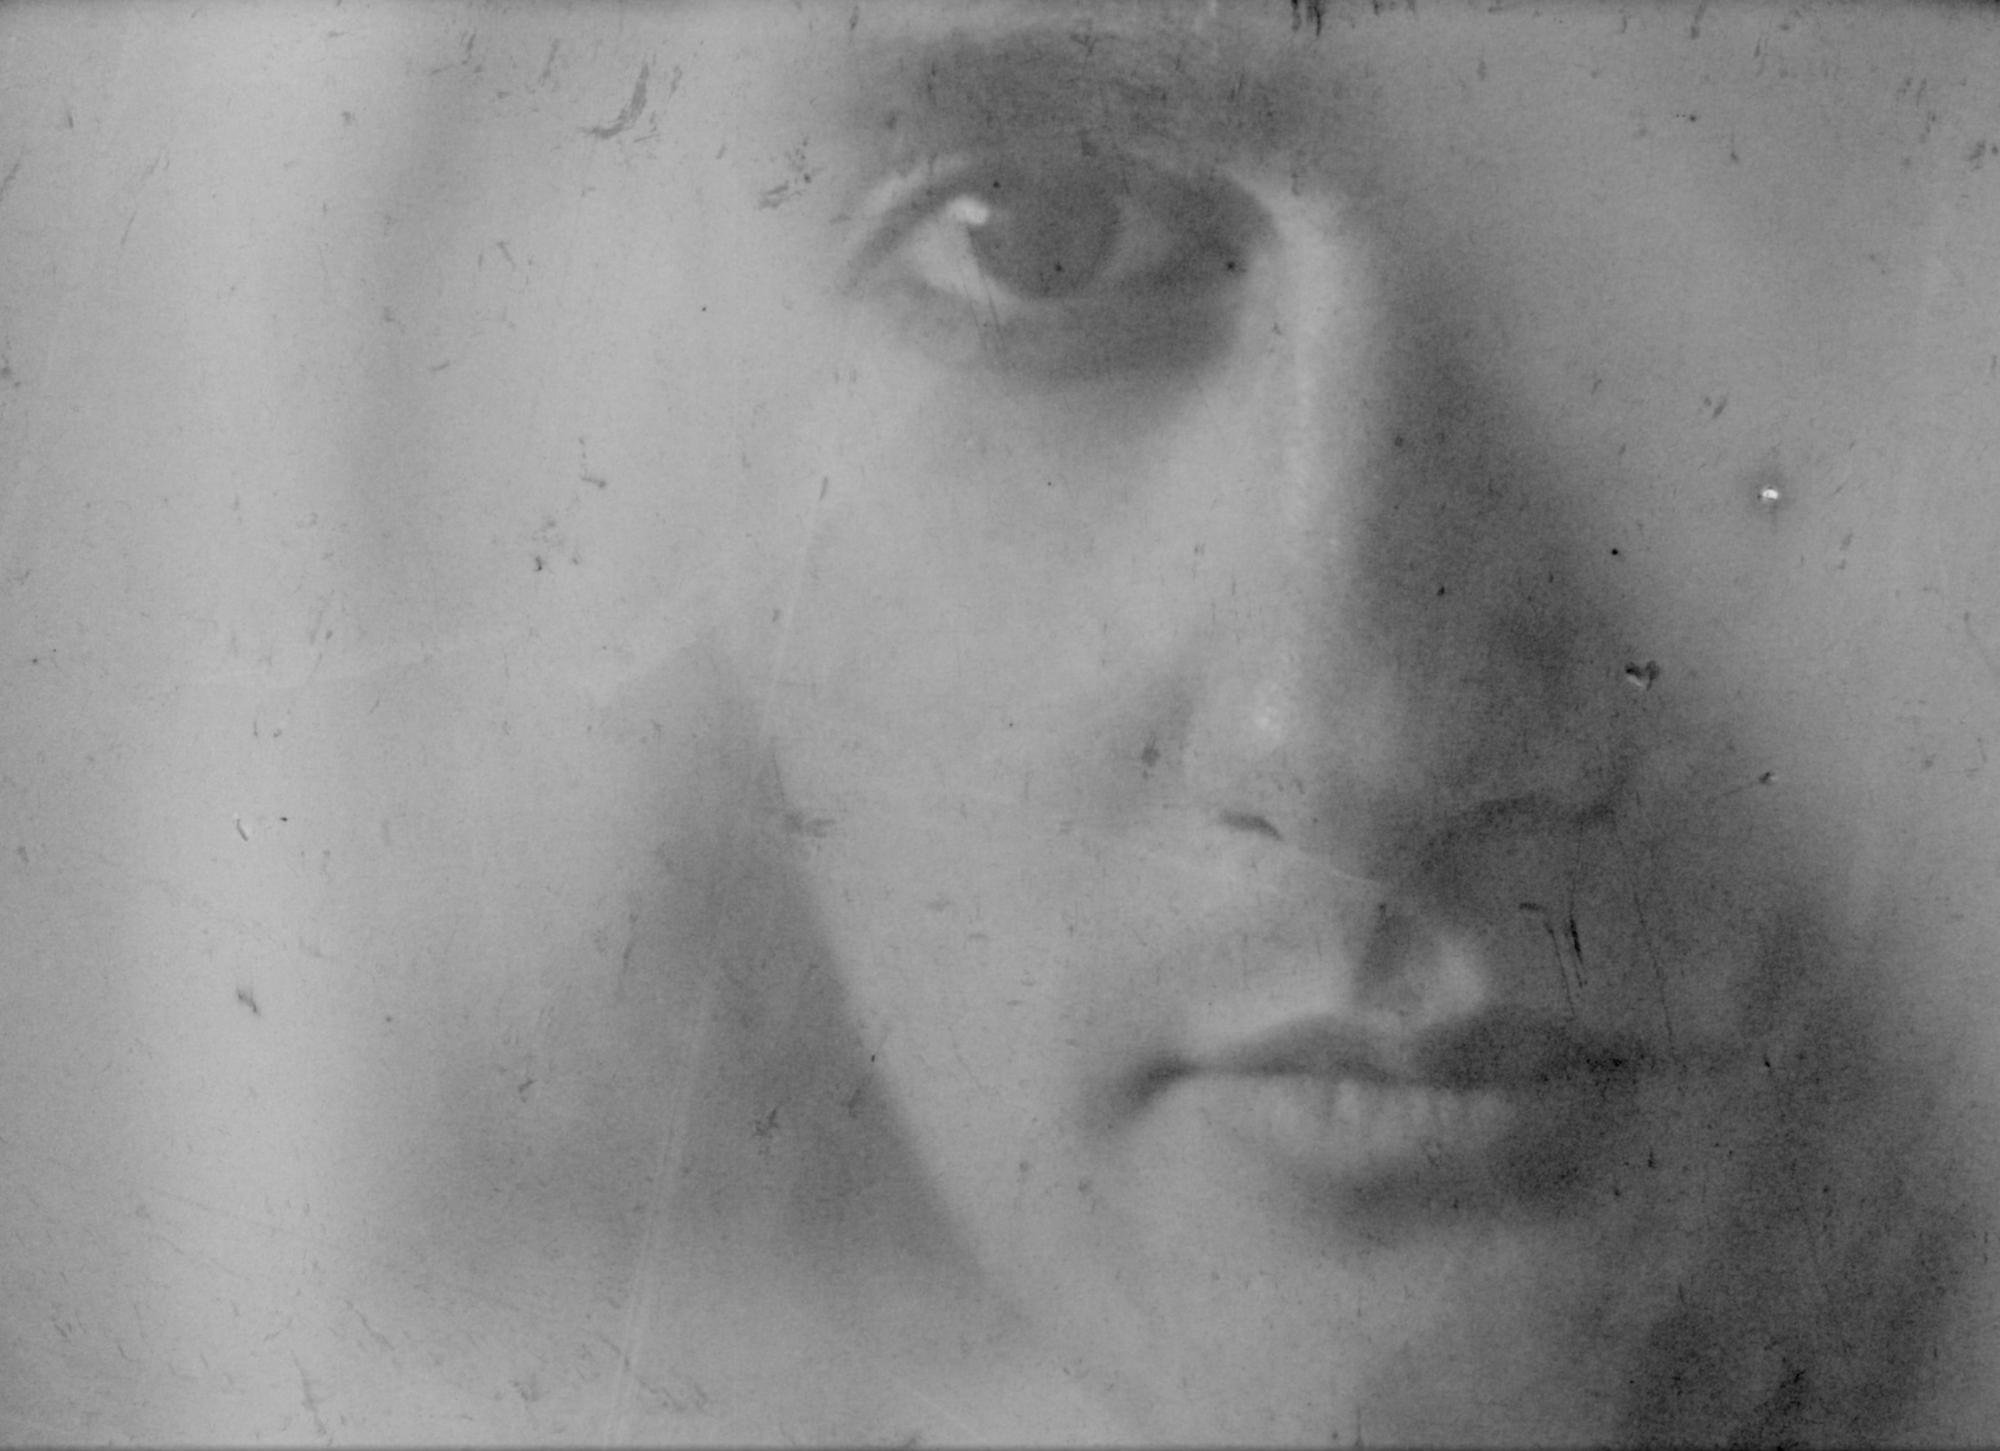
1041, 240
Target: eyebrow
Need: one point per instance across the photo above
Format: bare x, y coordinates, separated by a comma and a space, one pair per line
1242, 90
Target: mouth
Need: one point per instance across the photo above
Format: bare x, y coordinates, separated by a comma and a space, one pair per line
1499, 1050
1505, 1103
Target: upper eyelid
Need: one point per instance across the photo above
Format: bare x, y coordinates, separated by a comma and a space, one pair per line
890, 208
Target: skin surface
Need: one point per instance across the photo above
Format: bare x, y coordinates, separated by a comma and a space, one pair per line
1315, 620
997, 722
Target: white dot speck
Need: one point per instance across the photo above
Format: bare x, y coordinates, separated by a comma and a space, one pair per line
1770, 495
970, 211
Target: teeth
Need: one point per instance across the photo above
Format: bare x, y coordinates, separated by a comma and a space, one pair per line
1367, 1119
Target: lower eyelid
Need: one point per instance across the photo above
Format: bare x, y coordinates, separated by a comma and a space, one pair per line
1068, 342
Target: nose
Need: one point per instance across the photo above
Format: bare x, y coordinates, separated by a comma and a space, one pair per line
1395, 645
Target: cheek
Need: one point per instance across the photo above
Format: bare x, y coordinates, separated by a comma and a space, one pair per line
989, 572
951, 953
947, 918
951, 602
997, 959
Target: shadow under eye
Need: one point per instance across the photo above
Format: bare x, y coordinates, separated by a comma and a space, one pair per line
1140, 336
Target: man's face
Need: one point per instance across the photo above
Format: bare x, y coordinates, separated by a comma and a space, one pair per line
1264, 577
1337, 663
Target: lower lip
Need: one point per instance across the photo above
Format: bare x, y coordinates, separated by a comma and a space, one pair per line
1355, 1131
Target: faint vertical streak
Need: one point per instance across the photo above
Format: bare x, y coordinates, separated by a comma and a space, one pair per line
82, 276
1981, 648
640, 1310
1659, 973
640, 1319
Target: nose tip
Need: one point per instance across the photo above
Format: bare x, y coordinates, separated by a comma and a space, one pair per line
1394, 637
1361, 751
1273, 757
1350, 707
1369, 757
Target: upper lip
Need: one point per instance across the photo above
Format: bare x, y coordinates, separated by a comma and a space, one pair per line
1501, 1050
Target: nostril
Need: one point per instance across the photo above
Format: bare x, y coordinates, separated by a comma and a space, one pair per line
1251, 822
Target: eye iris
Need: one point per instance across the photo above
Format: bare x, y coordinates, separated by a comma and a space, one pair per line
1039, 241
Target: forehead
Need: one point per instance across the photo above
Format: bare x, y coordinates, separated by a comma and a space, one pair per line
1241, 73
1236, 80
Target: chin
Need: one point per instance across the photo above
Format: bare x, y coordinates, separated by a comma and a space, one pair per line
1716, 1264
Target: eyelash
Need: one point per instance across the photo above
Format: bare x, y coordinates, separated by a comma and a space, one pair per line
1062, 267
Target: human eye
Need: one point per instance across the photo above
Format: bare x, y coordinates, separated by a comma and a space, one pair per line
1078, 265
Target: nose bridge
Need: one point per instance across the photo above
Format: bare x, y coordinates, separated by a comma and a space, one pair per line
1300, 690
1346, 690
